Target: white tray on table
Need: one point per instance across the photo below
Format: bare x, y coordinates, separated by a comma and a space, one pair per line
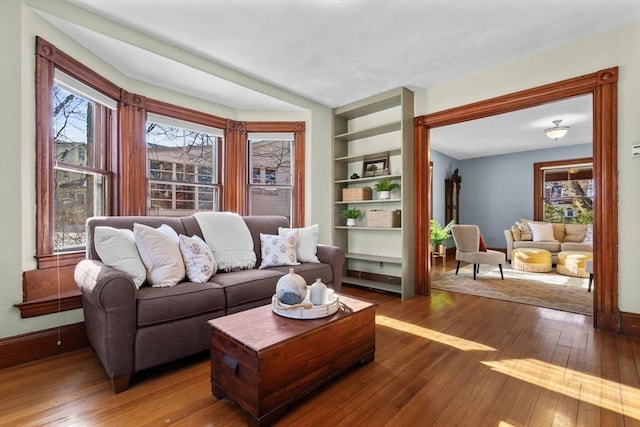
308, 310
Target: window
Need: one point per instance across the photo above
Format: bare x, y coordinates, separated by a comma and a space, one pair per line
270, 163
566, 191
182, 164
80, 142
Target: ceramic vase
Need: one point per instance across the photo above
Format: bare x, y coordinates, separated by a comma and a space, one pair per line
291, 288
385, 195
318, 293
351, 222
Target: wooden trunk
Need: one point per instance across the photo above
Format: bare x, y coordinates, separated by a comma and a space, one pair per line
262, 361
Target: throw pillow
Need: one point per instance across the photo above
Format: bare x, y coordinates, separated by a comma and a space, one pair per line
278, 250
525, 230
517, 235
575, 232
483, 244
542, 232
198, 259
116, 247
160, 253
307, 246
588, 238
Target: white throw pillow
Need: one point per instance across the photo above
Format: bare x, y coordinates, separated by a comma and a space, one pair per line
278, 250
116, 247
588, 238
542, 232
160, 253
307, 246
198, 259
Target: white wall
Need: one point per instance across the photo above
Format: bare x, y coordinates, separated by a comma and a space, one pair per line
19, 25
617, 47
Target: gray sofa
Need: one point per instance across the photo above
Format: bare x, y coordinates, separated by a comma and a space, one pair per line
133, 329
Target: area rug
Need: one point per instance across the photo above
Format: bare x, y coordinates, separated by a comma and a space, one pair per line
550, 290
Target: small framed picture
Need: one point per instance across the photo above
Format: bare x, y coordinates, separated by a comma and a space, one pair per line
375, 167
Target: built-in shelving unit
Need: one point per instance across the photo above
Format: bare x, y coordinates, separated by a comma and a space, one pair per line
376, 129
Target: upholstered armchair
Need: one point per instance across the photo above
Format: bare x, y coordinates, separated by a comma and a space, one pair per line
467, 239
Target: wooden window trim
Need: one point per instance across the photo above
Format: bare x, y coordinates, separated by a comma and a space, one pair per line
50, 287
603, 86
297, 195
538, 184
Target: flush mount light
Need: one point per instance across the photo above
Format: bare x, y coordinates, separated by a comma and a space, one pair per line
557, 131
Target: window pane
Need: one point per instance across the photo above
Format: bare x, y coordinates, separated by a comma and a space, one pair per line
78, 196
270, 201
270, 180
180, 160
568, 194
73, 128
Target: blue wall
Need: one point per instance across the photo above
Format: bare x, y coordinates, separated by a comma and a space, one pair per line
498, 190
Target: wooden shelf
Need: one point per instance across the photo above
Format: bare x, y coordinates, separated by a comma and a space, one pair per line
367, 179
374, 258
349, 202
366, 133
383, 286
390, 116
367, 156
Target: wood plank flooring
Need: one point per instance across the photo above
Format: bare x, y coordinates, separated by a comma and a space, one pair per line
445, 360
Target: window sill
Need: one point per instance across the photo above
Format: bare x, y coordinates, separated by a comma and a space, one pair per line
50, 288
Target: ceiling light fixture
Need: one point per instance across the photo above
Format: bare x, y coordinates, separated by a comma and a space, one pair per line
557, 131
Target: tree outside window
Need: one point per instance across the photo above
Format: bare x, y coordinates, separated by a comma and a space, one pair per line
568, 194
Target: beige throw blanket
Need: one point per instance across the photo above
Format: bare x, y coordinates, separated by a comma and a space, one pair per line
229, 238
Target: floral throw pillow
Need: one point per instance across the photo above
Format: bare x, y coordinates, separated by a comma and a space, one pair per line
525, 230
278, 250
198, 259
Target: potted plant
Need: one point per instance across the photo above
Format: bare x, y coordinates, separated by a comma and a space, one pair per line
439, 235
385, 186
351, 214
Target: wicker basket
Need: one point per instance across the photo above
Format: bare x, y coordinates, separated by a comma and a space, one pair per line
383, 219
360, 193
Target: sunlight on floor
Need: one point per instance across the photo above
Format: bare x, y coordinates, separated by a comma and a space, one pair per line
594, 390
459, 343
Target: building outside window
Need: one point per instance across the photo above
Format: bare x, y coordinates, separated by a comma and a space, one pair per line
270, 183
182, 166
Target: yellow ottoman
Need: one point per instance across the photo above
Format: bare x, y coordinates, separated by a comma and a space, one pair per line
573, 263
532, 260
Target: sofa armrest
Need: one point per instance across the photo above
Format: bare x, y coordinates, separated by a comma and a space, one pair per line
334, 256
509, 237
109, 306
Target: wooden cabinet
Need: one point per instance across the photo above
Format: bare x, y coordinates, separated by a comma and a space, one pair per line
452, 198
373, 139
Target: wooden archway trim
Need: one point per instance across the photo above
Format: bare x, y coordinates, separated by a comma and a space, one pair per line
603, 86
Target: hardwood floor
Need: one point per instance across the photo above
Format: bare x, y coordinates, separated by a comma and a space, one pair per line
447, 360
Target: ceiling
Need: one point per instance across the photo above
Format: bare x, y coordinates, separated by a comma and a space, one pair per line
335, 52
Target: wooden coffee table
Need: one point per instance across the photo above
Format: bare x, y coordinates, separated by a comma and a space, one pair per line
262, 361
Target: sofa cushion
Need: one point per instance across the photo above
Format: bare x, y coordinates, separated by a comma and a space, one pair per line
160, 253
307, 244
198, 259
278, 249
243, 286
186, 299
558, 231
576, 246
550, 246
